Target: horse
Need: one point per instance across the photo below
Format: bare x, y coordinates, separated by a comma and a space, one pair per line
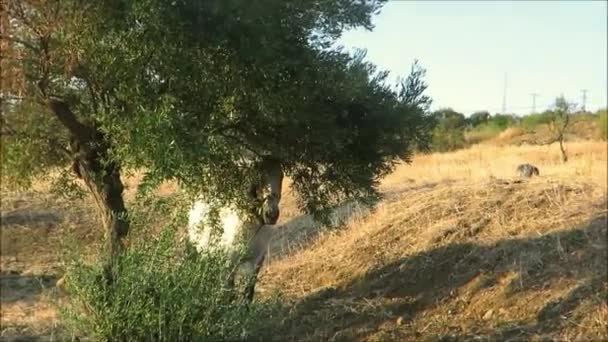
252, 227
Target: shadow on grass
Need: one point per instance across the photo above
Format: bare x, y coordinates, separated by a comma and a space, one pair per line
23, 288
410, 286
299, 232
30, 219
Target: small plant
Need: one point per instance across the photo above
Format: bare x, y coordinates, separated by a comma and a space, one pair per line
559, 124
163, 290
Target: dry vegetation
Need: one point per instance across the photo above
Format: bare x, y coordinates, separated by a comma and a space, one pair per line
459, 249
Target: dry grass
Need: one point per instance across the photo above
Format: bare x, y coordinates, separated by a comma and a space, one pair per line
482, 162
459, 249
508, 135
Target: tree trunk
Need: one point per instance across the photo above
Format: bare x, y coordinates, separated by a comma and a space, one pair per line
91, 163
103, 180
563, 150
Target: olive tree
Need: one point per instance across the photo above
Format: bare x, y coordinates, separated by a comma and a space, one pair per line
51, 104
185, 89
560, 118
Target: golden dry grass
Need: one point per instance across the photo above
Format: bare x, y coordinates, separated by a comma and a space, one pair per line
481, 162
458, 249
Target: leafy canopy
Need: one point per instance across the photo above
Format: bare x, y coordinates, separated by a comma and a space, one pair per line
187, 89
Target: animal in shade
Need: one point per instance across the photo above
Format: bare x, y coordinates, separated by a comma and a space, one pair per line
252, 227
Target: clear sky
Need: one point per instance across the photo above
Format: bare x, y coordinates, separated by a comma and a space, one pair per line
467, 47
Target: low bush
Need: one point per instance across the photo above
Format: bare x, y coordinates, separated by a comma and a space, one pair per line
163, 290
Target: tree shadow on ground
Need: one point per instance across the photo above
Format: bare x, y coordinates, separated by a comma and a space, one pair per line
29, 218
300, 231
22, 333
410, 286
15, 287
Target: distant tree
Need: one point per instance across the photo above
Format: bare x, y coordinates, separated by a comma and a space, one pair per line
531, 121
559, 123
502, 121
448, 133
457, 119
478, 118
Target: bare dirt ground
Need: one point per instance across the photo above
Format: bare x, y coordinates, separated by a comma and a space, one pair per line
458, 250
33, 228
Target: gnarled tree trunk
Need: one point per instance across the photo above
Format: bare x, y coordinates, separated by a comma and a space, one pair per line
563, 150
90, 152
104, 183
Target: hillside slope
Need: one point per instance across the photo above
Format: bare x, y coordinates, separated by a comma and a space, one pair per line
458, 252
458, 249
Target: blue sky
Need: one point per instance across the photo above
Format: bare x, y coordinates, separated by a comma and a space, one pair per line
544, 47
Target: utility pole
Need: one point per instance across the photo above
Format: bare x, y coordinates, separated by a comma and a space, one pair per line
534, 96
584, 91
504, 96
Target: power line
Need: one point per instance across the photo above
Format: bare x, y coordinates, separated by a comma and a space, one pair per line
522, 109
504, 96
584, 91
534, 96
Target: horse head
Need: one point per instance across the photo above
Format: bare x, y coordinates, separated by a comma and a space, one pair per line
268, 190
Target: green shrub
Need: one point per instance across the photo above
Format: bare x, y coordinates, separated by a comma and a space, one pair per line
478, 118
482, 132
530, 122
163, 291
501, 121
448, 135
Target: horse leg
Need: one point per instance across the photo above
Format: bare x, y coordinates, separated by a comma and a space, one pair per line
250, 290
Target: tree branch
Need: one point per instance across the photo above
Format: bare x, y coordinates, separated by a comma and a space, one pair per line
81, 132
222, 129
240, 142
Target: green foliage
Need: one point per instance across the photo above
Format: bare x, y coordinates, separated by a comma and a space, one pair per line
502, 121
478, 118
329, 117
561, 116
482, 132
531, 121
456, 119
603, 122
187, 89
32, 144
448, 134
415, 106
163, 290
